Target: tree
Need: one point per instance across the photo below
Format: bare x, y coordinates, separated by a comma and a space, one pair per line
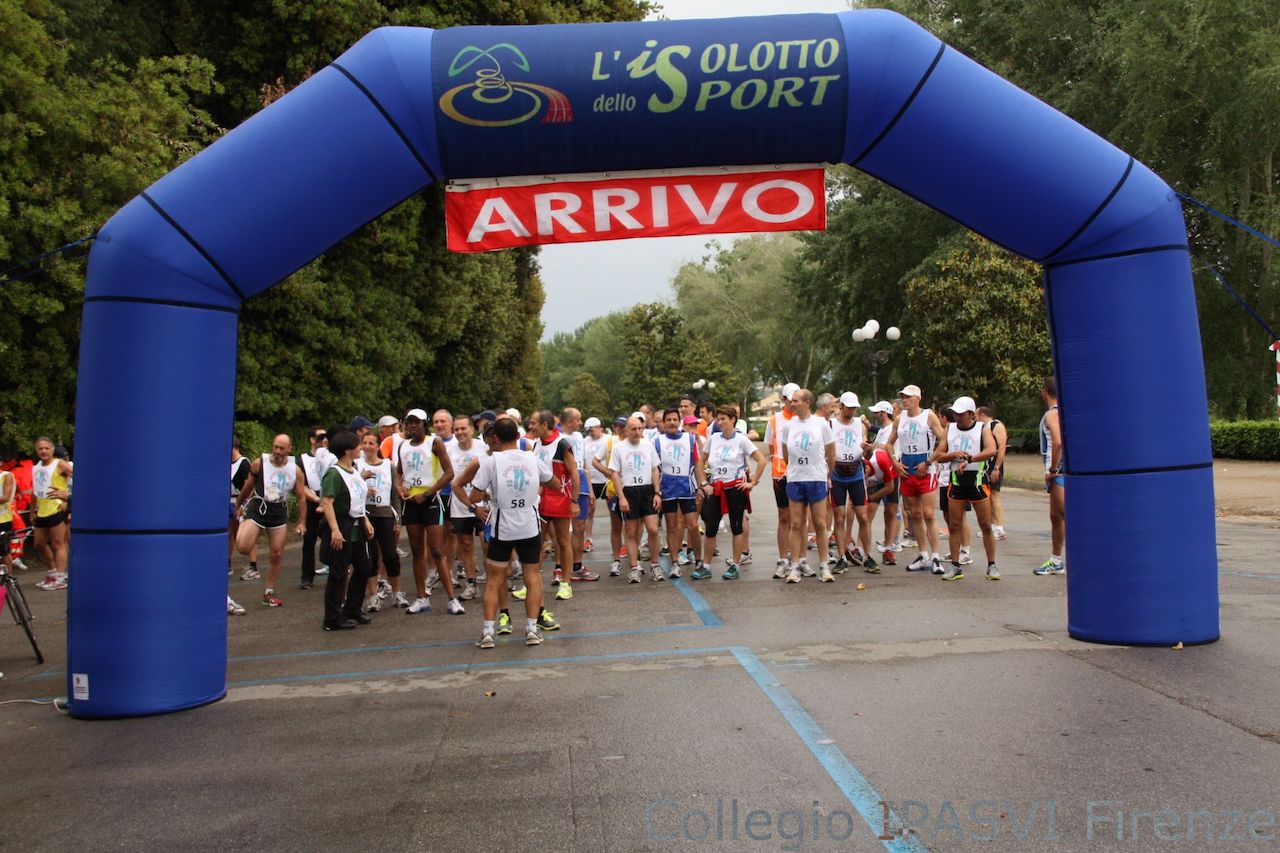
595, 347
663, 359
589, 396
976, 315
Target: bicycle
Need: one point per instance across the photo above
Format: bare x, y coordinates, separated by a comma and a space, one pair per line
11, 593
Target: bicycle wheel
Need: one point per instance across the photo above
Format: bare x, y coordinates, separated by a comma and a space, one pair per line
22, 614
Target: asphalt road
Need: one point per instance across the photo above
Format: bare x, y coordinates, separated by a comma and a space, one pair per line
719, 715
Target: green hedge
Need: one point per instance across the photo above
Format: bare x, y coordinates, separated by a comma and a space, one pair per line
1246, 439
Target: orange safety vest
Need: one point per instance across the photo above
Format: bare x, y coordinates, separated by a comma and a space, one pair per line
779, 463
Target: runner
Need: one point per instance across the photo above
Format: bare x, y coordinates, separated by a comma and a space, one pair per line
595, 446
610, 495
728, 492
809, 450
995, 472
389, 436
21, 469
310, 470
849, 487
681, 468
382, 507
635, 473
557, 506
969, 446
778, 468
464, 450
442, 426
507, 480
424, 470
8, 494
884, 484
343, 493
1051, 450
920, 434
239, 475
570, 424
50, 478
272, 477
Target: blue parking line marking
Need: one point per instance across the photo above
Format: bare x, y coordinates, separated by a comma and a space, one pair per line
860, 793
698, 603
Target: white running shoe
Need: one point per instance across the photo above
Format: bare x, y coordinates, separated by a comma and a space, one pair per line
22, 567
825, 575
937, 567
858, 557
615, 569
807, 570
919, 564
635, 575
999, 533
468, 591
781, 569
402, 552
420, 605
234, 609
384, 588
655, 573
966, 559
793, 574
323, 570
454, 607
684, 559
675, 572
746, 558
400, 600
250, 575
533, 637
433, 579
486, 640
372, 604
993, 574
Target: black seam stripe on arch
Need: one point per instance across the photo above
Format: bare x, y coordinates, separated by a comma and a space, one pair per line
1128, 169
1171, 247
186, 236
98, 531
387, 116
1127, 471
171, 302
901, 110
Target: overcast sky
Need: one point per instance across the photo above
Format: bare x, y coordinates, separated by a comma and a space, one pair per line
585, 280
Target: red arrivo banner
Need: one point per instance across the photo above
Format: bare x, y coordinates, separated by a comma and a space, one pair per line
502, 213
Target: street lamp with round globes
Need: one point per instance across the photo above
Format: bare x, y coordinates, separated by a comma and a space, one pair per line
875, 357
711, 386
893, 333
859, 336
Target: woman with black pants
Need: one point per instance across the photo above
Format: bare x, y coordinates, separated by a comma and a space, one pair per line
382, 507
342, 493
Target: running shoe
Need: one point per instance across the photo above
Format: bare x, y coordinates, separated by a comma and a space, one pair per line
665, 552
716, 552
322, 571
402, 552
547, 622
400, 600
587, 545
808, 570
812, 542
533, 637
644, 553
674, 574
655, 573
433, 579
746, 557
898, 546
831, 541
700, 573
881, 547
906, 542
556, 576
793, 574
504, 623
936, 568
583, 574
869, 566
825, 575
1050, 567
855, 555
250, 575
731, 572
993, 574
780, 569
22, 567
565, 592
52, 583
372, 604
269, 599
919, 564
420, 605
622, 552
966, 558
486, 641
944, 533
635, 575
953, 573
520, 592
841, 566
999, 534
889, 559
306, 585
468, 591
685, 558
615, 569
234, 609
454, 607
384, 588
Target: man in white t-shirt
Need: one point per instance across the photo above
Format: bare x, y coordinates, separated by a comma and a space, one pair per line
809, 450
509, 480
635, 473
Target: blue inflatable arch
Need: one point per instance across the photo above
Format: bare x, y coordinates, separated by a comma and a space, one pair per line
405, 108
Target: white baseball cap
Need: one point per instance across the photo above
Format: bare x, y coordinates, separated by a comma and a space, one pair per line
591, 422
850, 399
641, 416
789, 390
883, 406
910, 391
388, 420
514, 412
964, 404
416, 413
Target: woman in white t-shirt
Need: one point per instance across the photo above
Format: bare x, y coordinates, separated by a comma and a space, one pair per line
727, 491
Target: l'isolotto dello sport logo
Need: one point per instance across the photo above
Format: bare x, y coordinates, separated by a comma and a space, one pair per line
489, 99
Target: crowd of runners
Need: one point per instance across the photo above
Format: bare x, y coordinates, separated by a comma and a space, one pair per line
484, 500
